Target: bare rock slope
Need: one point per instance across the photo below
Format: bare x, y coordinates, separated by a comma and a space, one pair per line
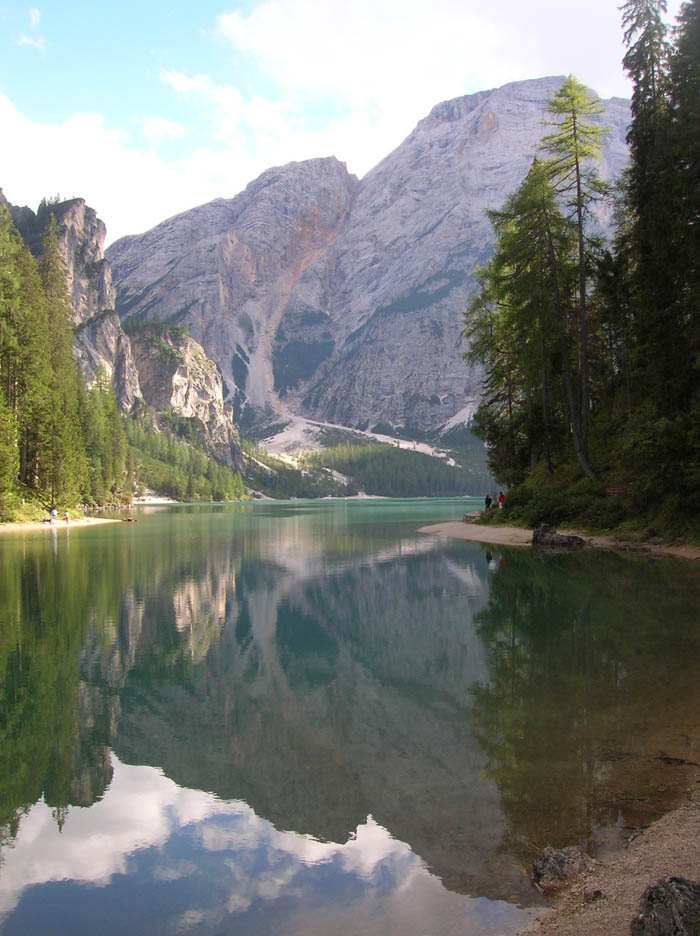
342, 300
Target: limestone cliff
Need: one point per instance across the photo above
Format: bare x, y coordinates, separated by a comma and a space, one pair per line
177, 377
100, 341
340, 299
230, 269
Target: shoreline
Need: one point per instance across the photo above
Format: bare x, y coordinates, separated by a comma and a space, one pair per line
605, 898
25, 526
517, 536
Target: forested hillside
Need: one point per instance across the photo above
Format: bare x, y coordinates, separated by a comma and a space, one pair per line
62, 443
591, 407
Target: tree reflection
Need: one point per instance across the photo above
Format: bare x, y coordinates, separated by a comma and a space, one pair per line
582, 653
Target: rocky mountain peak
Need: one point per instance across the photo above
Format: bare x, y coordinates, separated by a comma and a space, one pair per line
343, 300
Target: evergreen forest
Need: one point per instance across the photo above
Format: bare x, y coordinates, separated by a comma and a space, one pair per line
62, 443
591, 349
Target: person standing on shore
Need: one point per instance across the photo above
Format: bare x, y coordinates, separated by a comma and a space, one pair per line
66, 517
501, 499
487, 501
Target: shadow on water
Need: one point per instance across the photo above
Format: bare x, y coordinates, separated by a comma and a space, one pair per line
322, 664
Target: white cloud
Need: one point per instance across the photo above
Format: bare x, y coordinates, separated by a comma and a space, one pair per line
143, 809
157, 129
36, 42
322, 80
131, 189
184, 83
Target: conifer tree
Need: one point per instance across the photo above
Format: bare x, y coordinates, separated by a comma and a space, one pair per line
35, 377
8, 450
66, 453
573, 146
685, 131
519, 328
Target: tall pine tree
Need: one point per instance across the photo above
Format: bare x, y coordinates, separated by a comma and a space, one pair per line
573, 146
66, 454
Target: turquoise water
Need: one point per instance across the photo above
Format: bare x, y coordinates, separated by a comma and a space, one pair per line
301, 717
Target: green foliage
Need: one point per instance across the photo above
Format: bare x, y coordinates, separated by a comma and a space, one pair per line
8, 451
277, 478
622, 378
519, 329
66, 455
179, 469
108, 479
164, 336
390, 471
60, 442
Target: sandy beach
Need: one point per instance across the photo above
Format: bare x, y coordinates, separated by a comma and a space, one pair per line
516, 536
30, 525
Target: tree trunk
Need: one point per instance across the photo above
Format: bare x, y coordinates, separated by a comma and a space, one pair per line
579, 446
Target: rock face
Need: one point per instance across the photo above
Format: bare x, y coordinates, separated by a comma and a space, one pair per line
176, 376
170, 374
100, 341
343, 300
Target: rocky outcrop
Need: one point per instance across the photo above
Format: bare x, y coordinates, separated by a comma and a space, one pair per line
176, 377
229, 269
344, 300
100, 342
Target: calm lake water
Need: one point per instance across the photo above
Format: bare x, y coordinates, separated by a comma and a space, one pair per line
308, 718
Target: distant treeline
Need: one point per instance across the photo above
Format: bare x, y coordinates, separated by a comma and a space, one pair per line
591, 350
378, 468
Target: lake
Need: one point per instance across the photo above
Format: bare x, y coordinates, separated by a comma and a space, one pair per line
306, 718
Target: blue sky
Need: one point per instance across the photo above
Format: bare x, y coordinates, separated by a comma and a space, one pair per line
147, 109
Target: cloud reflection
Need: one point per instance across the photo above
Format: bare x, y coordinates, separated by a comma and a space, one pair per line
211, 859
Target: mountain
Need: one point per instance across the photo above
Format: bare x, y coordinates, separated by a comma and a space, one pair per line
162, 369
340, 299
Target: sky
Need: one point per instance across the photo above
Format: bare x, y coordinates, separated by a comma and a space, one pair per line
146, 109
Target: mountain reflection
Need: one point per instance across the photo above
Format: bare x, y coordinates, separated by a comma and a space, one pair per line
206, 863
315, 666
311, 666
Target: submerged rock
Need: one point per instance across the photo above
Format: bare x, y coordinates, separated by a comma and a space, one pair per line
546, 537
556, 865
669, 908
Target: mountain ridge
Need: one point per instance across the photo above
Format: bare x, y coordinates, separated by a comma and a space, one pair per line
341, 300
